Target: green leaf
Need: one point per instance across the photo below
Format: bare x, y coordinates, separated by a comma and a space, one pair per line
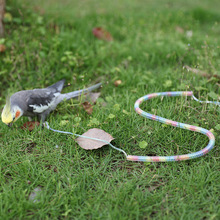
39, 20
168, 83
63, 59
93, 121
116, 107
125, 112
217, 127
108, 98
213, 95
111, 116
8, 17
68, 53
42, 30
77, 119
2, 41
143, 144
64, 122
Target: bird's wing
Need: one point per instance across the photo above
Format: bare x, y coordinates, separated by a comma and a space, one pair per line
41, 100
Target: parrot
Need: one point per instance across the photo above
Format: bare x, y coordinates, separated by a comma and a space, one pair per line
38, 102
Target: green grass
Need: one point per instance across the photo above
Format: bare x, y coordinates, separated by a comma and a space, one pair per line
49, 41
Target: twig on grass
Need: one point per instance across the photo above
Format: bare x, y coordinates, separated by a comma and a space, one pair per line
201, 73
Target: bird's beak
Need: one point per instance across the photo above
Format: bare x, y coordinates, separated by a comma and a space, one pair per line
10, 124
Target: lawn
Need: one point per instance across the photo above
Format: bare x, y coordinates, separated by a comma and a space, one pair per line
157, 46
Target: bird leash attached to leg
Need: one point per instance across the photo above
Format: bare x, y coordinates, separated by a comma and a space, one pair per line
164, 121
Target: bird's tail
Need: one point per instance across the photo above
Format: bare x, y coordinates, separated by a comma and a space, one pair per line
75, 94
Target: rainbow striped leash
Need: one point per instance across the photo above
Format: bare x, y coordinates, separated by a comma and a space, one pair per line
164, 121
175, 124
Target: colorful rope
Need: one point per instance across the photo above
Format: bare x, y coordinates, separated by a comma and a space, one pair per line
165, 121
175, 124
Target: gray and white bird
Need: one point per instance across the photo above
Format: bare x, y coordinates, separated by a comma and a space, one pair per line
38, 102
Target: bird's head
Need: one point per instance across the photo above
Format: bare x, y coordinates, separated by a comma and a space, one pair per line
11, 113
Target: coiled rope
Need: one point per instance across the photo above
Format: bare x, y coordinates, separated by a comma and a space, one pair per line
164, 121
